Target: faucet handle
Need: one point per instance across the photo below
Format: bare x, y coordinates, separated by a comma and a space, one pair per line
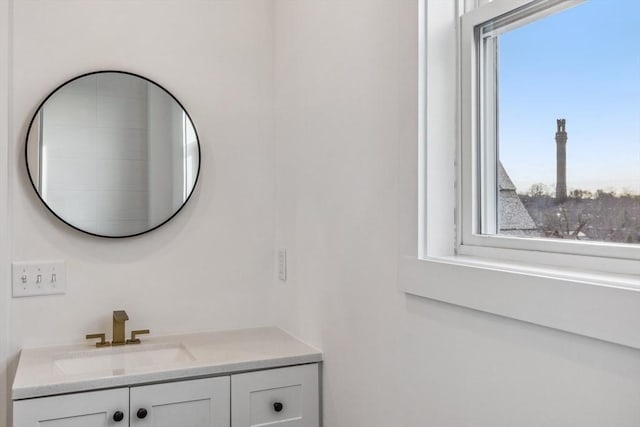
135, 340
101, 337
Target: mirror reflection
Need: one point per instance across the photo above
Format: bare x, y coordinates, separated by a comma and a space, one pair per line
113, 154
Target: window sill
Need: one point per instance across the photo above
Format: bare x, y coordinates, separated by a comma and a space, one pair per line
596, 305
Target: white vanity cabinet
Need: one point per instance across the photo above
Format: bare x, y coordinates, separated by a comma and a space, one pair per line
283, 397
240, 378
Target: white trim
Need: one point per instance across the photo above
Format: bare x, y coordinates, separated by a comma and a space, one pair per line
577, 304
602, 306
488, 119
422, 132
441, 84
557, 253
5, 57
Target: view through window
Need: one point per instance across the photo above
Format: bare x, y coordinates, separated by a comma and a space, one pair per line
567, 136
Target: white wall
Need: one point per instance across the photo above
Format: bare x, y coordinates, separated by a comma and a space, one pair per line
345, 99
4, 207
211, 266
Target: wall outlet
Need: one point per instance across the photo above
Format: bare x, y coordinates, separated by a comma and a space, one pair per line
282, 264
32, 278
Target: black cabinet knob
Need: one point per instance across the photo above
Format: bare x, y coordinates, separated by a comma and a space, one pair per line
278, 406
118, 416
141, 413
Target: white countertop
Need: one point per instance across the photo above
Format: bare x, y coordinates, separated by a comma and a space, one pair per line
44, 372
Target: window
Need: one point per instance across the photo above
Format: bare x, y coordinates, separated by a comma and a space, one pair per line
586, 287
551, 128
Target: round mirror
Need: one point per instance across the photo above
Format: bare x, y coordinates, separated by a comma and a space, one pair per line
112, 154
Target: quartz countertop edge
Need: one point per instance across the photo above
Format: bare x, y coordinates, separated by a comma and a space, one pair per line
215, 354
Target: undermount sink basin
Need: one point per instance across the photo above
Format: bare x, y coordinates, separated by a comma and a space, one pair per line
121, 360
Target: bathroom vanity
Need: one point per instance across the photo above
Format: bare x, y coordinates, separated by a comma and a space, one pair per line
238, 378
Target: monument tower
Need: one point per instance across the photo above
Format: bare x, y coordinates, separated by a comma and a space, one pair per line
561, 161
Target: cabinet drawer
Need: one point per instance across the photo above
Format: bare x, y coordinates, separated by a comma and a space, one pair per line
286, 397
90, 409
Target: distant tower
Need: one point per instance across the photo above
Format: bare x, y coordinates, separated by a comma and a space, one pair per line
561, 159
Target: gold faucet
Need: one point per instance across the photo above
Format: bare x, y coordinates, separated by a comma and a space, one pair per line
119, 317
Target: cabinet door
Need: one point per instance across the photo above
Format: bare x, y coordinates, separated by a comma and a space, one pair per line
286, 397
195, 403
91, 409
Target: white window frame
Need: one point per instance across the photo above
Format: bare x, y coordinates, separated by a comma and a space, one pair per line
478, 154
514, 283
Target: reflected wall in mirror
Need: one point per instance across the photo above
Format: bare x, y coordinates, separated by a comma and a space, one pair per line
112, 154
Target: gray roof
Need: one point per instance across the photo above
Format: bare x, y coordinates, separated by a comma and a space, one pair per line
513, 214
504, 182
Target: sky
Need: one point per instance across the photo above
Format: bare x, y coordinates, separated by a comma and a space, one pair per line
581, 64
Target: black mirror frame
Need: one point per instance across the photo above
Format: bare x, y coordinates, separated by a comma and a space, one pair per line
35, 188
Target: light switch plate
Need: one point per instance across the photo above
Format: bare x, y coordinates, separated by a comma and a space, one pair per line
32, 278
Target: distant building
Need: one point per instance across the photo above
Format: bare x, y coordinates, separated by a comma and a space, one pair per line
514, 217
561, 161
